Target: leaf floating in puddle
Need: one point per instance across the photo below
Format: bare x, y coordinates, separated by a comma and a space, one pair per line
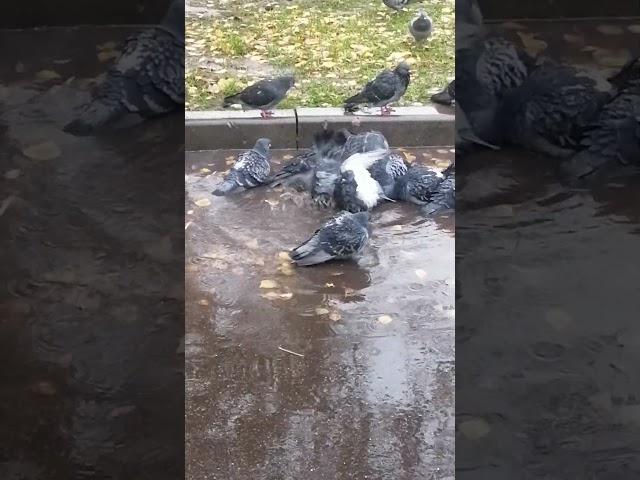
272, 203
287, 157
189, 212
42, 151
106, 55
12, 174
286, 269
230, 162
570, 38
284, 256
348, 291
277, 296
610, 29
329, 285
230, 158
609, 58
385, 319
268, 284
204, 302
532, 45
252, 244
322, 311
205, 170
285, 296
46, 75
335, 316
475, 429
421, 274
409, 157
396, 228
558, 319
203, 202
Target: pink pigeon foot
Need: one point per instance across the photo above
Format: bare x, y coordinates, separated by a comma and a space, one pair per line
266, 113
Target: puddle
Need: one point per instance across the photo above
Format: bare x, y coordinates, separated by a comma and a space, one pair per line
84, 331
365, 397
545, 345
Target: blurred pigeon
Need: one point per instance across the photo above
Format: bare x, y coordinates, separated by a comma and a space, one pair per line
329, 147
550, 110
444, 198
357, 190
417, 185
340, 238
613, 137
362, 142
386, 88
387, 170
147, 79
447, 96
251, 169
421, 26
299, 173
262, 95
396, 4
466, 139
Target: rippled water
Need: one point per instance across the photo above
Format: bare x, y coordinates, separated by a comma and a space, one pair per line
89, 345
362, 398
547, 299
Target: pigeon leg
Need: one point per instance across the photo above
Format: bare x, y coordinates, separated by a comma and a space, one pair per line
268, 114
384, 111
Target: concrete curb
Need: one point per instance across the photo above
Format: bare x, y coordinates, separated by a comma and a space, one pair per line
407, 127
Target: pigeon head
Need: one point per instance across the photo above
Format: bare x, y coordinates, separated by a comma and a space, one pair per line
403, 69
262, 146
174, 18
348, 177
287, 81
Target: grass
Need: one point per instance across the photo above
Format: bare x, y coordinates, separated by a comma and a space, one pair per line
333, 47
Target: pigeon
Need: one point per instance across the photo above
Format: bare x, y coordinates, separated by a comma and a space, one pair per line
357, 190
340, 238
386, 88
262, 95
299, 173
396, 4
417, 185
329, 146
362, 142
334, 148
421, 26
147, 79
444, 198
613, 137
550, 110
466, 139
485, 71
447, 96
387, 170
251, 169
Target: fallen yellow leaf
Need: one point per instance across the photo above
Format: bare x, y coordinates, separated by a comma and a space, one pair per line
268, 284
42, 151
384, 319
203, 202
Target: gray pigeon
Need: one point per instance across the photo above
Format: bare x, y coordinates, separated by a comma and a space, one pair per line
298, 174
334, 148
550, 110
386, 88
466, 138
362, 142
262, 95
251, 169
396, 4
387, 170
447, 96
444, 198
417, 185
421, 26
147, 79
340, 238
357, 190
614, 136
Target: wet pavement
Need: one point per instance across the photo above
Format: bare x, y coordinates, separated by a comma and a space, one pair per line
341, 371
92, 377
547, 350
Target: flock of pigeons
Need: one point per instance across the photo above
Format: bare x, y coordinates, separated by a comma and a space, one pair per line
351, 172
386, 88
508, 98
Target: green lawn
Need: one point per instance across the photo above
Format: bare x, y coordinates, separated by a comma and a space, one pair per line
332, 46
